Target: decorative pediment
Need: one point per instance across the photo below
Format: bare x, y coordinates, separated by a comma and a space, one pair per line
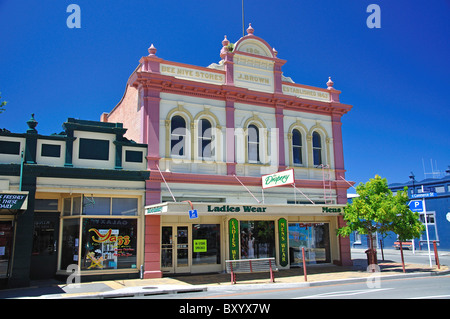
254, 46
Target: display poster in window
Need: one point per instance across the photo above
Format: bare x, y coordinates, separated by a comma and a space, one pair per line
109, 243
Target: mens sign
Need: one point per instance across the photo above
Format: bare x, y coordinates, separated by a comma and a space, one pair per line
278, 179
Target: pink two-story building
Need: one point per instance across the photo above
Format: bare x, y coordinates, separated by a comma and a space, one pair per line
213, 133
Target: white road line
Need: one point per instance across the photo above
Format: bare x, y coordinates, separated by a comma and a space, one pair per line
431, 297
343, 293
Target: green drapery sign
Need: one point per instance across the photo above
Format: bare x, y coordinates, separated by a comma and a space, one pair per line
283, 241
234, 238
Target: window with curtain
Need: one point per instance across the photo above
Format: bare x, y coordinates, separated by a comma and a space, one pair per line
178, 136
253, 143
317, 148
204, 139
297, 147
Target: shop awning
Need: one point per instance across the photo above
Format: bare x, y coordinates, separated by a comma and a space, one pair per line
222, 209
12, 202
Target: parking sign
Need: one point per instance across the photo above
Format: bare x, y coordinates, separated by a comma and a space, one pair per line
416, 206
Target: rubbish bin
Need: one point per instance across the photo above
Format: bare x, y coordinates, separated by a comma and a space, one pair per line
371, 258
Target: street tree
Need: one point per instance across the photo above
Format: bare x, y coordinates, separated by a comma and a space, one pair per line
378, 210
2, 104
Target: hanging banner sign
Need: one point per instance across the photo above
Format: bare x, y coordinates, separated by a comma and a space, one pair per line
233, 228
282, 239
278, 179
13, 201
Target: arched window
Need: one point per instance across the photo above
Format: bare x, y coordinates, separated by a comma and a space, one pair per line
297, 147
178, 136
204, 139
253, 143
317, 148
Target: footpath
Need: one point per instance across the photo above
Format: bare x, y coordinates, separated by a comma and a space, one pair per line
316, 275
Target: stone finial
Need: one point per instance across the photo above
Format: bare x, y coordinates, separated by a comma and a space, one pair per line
224, 50
330, 83
152, 50
225, 41
250, 30
32, 123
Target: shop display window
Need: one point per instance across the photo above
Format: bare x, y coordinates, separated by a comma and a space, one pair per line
109, 244
314, 237
95, 240
206, 244
257, 239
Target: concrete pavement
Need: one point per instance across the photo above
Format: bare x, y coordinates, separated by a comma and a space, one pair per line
316, 275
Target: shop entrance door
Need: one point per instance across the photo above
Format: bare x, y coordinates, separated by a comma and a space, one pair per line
175, 249
44, 256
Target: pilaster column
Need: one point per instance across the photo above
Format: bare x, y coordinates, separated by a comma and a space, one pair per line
230, 141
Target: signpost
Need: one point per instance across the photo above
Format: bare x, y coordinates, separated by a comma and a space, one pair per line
419, 207
426, 228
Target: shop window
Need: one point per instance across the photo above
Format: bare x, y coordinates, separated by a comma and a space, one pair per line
297, 147
253, 143
125, 206
94, 149
46, 204
314, 237
51, 150
70, 242
67, 206
257, 239
89, 205
96, 205
178, 136
206, 244
109, 244
204, 139
76, 209
133, 156
7, 147
317, 148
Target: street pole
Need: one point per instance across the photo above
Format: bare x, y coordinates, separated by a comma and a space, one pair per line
426, 229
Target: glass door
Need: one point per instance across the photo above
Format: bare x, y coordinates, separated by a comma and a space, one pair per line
182, 249
167, 249
175, 254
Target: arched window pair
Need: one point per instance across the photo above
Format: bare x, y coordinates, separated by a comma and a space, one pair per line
297, 148
178, 137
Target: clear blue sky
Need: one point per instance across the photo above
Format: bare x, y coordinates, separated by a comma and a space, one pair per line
397, 77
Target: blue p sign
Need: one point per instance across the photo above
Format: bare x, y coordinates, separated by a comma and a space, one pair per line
416, 206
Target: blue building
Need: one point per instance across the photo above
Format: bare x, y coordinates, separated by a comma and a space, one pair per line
436, 193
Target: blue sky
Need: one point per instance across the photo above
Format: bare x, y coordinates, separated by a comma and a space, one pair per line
397, 77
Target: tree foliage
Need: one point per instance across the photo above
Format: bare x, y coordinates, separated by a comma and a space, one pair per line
2, 104
378, 210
